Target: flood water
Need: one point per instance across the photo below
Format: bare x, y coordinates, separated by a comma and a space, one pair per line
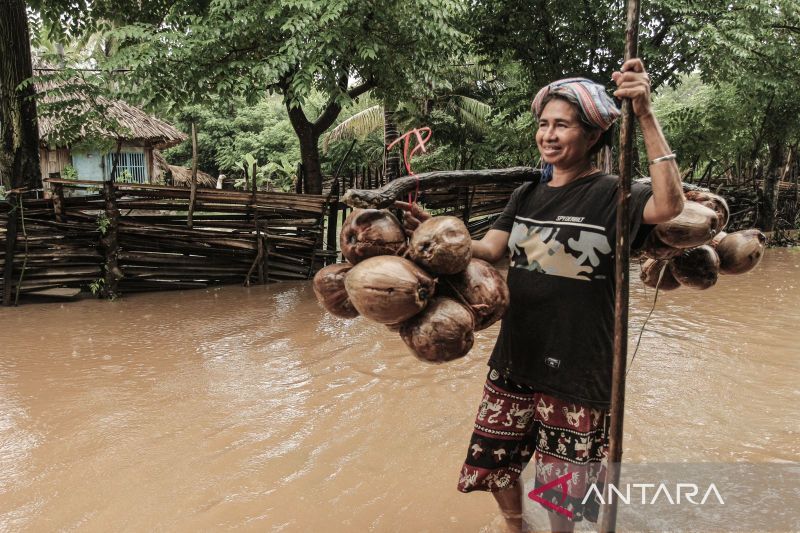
251, 409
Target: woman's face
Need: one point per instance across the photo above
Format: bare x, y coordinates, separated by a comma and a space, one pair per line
561, 138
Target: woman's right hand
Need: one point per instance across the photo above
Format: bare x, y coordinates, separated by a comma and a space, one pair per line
413, 215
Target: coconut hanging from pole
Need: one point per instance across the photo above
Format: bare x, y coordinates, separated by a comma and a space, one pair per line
369, 233
388, 289
330, 291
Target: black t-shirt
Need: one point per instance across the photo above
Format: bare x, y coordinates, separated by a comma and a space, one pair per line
558, 333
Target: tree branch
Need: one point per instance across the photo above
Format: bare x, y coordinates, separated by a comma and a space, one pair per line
358, 90
332, 110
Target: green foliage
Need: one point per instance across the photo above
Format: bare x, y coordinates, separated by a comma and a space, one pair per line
103, 223
229, 130
69, 173
96, 287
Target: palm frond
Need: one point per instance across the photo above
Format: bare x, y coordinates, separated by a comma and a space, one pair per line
474, 114
356, 127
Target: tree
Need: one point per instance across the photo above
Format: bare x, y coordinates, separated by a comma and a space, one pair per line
19, 156
553, 40
753, 47
341, 48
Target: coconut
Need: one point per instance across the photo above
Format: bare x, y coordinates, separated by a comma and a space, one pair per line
482, 287
442, 332
654, 248
714, 202
330, 291
651, 270
370, 232
741, 251
697, 268
696, 225
388, 289
442, 245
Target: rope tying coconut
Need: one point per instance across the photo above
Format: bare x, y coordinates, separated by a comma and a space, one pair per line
647, 318
407, 156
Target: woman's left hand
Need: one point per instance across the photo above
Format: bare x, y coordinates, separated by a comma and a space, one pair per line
634, 83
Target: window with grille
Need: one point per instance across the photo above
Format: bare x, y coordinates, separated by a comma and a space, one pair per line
131, 167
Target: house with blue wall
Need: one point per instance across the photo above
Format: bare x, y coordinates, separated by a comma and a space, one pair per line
138, 135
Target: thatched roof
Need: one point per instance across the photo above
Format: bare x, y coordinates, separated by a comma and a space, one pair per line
131, 124
182, 176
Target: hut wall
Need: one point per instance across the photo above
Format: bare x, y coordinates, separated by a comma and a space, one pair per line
88, 164
53, 161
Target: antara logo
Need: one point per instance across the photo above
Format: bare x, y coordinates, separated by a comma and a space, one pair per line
687, 491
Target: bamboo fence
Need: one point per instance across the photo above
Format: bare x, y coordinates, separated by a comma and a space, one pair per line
236, 237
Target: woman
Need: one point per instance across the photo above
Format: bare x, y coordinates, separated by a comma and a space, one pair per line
548, 390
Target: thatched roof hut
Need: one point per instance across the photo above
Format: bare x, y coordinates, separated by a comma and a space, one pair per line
72, 110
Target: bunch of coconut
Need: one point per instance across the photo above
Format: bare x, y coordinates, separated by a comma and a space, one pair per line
692, 250
427, 287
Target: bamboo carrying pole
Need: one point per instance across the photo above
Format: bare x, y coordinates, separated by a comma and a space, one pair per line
609, 522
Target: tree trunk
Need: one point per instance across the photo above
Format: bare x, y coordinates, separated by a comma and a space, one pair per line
309, 150
19, 155
312, 168
309, 132
769, 197
391, 168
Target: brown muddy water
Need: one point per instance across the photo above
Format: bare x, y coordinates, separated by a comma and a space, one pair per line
251, 409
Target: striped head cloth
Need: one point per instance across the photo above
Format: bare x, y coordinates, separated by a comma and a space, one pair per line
597, 108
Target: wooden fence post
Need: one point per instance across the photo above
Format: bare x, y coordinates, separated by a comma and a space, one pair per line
109, 242
470, 197
11, 242
261, 256
193, 189
298, 187
265, 266
332, 216
58, 202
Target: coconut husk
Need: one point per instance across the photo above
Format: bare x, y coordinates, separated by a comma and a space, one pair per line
371, 232
697, 268
714, 202
482, 288
442, 245
654, 248
696, 225
330, 291
741, 251
651, 270
388, 289
442, 332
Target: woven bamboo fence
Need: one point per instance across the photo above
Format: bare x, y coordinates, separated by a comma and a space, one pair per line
236, 237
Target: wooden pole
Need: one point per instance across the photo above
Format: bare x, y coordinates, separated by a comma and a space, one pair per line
58, 202
298, 187
193, 190
11, 242
109, 241
609, 523
333, 216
